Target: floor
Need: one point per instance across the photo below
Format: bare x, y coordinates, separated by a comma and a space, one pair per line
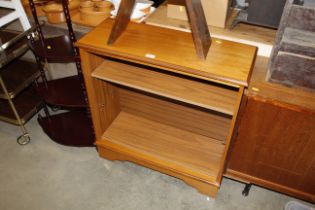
46, 176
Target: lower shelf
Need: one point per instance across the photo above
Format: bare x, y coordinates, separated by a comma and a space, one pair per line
70, 128
64, 92
27, 103
192, 157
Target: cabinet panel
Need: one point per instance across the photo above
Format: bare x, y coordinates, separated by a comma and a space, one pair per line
275, 144
176, 114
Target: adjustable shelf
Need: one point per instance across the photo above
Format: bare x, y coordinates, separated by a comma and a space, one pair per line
55, 49
155, 103
174, 86
62, 92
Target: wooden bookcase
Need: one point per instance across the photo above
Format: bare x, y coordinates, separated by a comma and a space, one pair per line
155, 103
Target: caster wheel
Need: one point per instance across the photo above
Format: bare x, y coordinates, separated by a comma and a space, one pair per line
23, 139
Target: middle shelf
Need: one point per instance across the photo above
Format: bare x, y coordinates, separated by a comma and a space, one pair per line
62, 92
170, 85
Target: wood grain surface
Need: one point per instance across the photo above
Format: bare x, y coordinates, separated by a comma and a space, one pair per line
275, 148
175, 114
195, 154
187, 90
227, 62
147, 100
244, 33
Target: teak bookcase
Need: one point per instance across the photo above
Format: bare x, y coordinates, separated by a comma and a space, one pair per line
155, 103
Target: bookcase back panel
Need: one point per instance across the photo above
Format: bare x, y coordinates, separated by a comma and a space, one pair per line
176, 114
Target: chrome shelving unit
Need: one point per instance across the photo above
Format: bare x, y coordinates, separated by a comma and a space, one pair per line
18, 98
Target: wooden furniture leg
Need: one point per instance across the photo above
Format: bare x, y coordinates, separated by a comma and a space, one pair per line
199, 27
122, 20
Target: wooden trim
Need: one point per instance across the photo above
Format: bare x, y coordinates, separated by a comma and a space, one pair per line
274, 186
230, 134
201, 185
282, 104
294, 98
89, 63
235, 178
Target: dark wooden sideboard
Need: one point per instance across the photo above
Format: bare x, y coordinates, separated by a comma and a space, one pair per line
274, 145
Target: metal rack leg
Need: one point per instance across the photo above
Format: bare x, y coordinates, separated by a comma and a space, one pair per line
246, 189
24, 138
44, 104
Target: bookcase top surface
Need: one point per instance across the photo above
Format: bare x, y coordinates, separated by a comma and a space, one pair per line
227, 62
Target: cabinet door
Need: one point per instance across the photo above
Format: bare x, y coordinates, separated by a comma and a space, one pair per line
275, 147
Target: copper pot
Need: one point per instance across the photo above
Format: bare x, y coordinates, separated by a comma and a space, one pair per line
39, 5
87, 6
55, 14
104, 6
94, 17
